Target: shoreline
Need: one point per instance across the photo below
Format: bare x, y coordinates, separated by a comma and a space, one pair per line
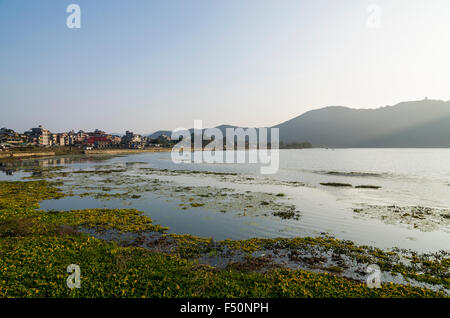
24, 155
124, 151
21, 155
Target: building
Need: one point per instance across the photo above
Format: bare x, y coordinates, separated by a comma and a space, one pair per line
80, 137
39, 136
99, 142
98, 132
63, 139
9, 138
115, 141
70, 139
132, 141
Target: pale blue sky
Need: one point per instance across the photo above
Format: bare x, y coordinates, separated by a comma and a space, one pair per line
147, 65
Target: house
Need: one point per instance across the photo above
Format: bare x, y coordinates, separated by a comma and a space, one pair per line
132, 141
10, 138
39, 136
99, 142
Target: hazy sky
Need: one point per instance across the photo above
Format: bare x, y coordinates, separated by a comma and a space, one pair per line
147, 65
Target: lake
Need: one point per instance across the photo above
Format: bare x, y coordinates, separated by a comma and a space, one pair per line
380, 197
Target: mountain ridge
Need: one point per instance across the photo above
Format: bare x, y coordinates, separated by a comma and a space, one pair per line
417, 124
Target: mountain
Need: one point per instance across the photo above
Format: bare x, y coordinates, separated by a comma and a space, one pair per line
416, 124
158, 133
419, 124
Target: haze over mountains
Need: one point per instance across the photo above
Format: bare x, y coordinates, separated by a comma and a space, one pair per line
417, 124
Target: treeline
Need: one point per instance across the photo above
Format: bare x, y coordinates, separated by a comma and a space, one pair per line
296, 145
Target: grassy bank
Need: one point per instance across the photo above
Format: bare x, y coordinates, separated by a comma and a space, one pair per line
37, 246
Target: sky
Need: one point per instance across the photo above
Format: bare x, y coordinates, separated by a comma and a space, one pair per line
145, 65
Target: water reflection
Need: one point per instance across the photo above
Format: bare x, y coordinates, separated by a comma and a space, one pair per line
35, 165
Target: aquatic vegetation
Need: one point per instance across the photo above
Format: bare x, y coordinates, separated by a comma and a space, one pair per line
214, 173
433, 269
367, 187
347, 185
417, 217
188, 245
89, 182
123, 220
208, 197
135, 163
37, 268
222, 176
99, 171
248, 246
336, 184
19, 199
350, 174
254, 264
19, 202
289, 214
334, 269
37, 246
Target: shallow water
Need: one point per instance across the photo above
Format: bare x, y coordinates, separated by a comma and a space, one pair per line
407, 177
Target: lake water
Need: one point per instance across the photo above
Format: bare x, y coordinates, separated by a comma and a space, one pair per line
384, 217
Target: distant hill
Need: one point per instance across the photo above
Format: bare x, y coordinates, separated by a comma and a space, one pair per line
158, 133
169, 132
423, 123
416, 124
